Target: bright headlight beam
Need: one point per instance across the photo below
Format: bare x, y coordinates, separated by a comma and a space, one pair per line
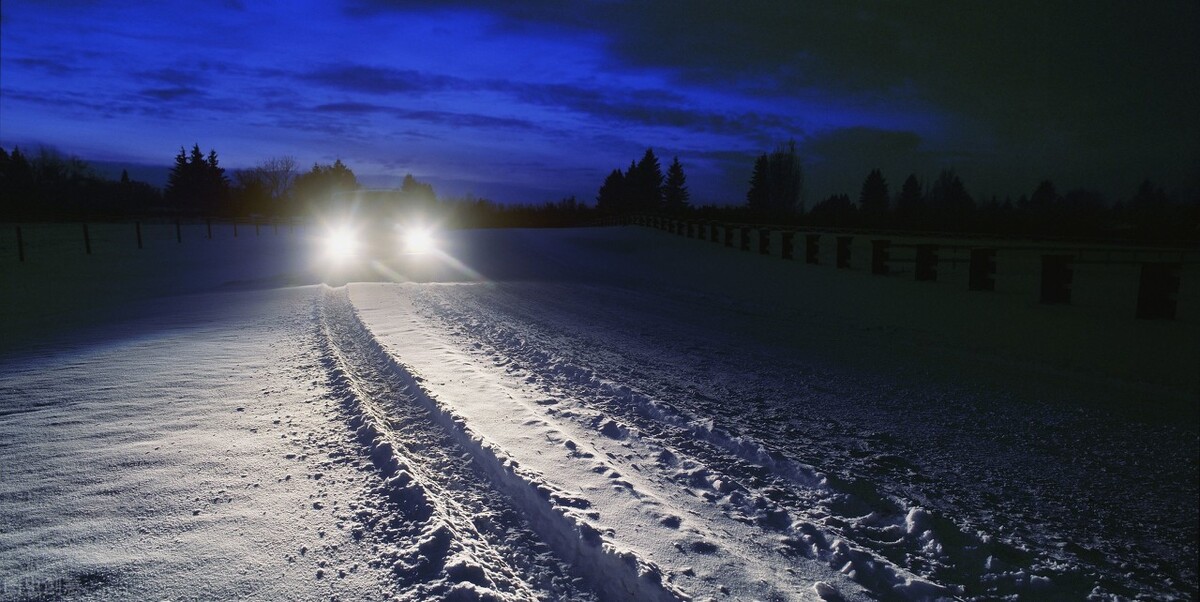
341, 243
418, 241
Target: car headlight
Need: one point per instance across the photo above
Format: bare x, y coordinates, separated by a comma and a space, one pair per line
418, 241
341, 243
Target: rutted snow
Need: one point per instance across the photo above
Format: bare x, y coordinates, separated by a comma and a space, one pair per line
603, 414
192, 459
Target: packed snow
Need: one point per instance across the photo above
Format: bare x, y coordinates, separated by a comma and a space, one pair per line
581, 414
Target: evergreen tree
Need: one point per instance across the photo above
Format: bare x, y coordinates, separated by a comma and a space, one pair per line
611, 197
910, 202
1044, 198
675, 192
18, 190
647, 183
776, 183
950, 204
785, 180
758, 197
836, 210
325, 186
873, 199
415, 192
197, 183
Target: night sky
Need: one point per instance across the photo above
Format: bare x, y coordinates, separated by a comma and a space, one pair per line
534, 101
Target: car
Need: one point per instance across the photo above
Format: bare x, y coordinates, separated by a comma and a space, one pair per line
380, 234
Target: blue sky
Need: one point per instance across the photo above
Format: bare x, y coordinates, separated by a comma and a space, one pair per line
534, 101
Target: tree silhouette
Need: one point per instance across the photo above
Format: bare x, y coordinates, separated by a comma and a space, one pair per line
415, 192
197, 183
776, 183
759, 196
950, 205
910, 202
644, 183
18, 189
325, 186
873, 198
611, 196
836, 210
675, 192
786, 180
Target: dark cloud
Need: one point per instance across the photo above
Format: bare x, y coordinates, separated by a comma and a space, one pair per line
52, 66
650, 108
1076, 82
174, 93
871, 145
446, 118
173, 76
378, 80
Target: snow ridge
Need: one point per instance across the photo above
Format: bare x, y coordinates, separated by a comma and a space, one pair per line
682, 440
612, 573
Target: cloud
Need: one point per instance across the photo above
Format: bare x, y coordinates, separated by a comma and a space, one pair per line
52, 66
1111, 77
170, 94
648, 108
379, 80
173, 76
446, 118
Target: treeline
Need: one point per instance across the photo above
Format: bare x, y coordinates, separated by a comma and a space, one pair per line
50, 186
53, 187
644, 189
482, 213
944, 204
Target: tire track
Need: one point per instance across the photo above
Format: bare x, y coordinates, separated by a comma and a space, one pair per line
479, 523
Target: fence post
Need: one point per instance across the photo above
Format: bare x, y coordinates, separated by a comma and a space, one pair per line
1157, 288
208, 223
812, 248
983, 270
745, 238
879, 257
20, 245
927, 260
87, 240
137, 227
786, 241
256, 228
178, 232
764, 241
728, 235
235, 228
1056, 278
843, 252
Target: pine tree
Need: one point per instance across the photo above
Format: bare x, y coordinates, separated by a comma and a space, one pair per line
611, 196
873, 199
675, 192
785, 179
415, 191
648, 182
950, 204
198, 183
758, 196
910, 202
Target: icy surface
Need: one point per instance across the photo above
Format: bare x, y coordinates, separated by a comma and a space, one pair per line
581, 414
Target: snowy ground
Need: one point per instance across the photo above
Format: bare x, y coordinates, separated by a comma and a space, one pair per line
579, 414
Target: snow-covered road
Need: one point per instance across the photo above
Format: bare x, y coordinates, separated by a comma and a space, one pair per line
602, 414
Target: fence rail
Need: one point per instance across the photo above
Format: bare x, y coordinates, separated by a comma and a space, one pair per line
1148, 282
137, 234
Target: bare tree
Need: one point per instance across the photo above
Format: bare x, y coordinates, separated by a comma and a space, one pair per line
278, 174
